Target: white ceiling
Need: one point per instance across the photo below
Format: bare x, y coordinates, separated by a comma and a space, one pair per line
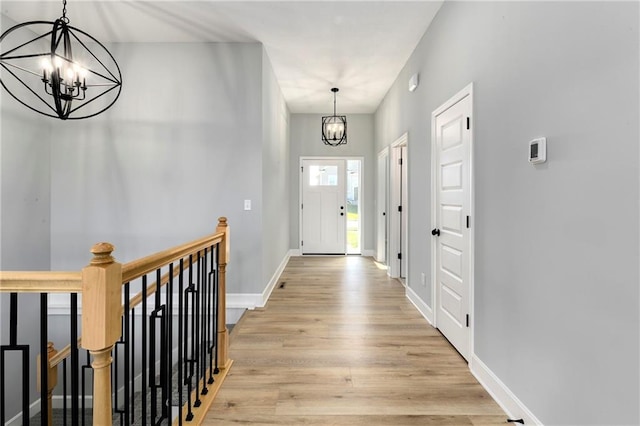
358, 46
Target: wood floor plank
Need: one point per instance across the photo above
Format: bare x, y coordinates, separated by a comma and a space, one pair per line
340, 344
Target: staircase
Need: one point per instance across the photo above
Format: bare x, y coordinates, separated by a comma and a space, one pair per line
138, 319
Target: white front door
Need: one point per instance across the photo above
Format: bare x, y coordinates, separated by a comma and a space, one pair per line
324, 207
452, 162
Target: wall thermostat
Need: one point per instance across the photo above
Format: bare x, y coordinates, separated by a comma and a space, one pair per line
538, 151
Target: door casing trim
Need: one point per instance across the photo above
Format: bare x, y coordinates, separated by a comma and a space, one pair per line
393, 217
361, 196
466, 92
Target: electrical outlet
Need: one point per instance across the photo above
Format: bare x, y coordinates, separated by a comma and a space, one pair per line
247, 204
423, 279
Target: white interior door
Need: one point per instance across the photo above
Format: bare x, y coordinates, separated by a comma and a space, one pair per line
324, 208
381, 206
398, 210
452, 163
404, 214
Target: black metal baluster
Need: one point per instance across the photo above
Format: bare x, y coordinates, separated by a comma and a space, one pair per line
180, 337
205, 331
217, 308
75, 362
163, 345
123, 343
188, 361
211, 320
126, 418
24, 349
144, 350
64, 392
152, 357
159, 313
44, 362
114, 371
132, 312
169, 338
196, 337
86, 368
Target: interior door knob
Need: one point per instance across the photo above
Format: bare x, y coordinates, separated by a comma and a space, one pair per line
435, 231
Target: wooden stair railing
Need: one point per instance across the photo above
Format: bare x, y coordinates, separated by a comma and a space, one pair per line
101, 284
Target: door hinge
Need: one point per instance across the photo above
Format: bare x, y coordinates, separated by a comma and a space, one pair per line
467, 222
302, 169
400, 161
302, 207
468, 123
399, 208
467, 320
301, 243
399, 256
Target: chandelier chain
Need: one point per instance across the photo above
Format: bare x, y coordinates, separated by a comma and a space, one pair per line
64, 12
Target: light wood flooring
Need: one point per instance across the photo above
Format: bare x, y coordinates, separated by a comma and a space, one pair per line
340, 344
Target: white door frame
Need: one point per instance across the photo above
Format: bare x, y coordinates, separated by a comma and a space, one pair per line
360, 195
382, 207
393, 215
467, 91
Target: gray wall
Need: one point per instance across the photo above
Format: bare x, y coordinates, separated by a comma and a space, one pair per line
179, 148
306, 141
275, 172
556, 268
24, 211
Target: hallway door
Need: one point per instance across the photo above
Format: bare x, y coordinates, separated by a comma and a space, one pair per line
404, 212
324, 207
452, 165
382, 206
398, 256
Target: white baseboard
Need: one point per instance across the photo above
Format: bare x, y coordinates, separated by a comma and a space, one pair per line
368, 253
510, 403
57, 401
295, 253
274, 279
16, 420
258, 300
422, 307
243, 300
514, 408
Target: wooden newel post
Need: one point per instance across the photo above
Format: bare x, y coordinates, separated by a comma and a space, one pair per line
101, 323
223, 259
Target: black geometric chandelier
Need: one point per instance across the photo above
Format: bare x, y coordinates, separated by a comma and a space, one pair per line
57, 70
334, 127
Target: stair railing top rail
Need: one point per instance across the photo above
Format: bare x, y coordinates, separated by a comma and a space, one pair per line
71, 281
137, 268
40, 282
